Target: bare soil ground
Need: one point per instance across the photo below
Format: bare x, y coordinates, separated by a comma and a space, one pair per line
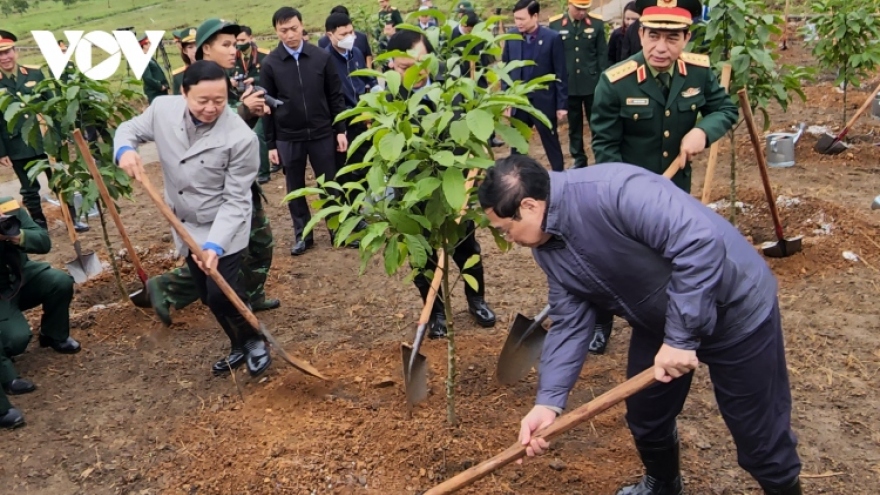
137, 411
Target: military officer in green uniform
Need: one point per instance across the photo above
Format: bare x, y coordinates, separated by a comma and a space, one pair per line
586, 56
18, 80
177, 288
388, 15
26, 284
645, 108
155, 82
186, 42
248, 62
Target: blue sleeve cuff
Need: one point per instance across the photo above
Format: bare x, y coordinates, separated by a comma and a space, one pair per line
122, 150
213, 247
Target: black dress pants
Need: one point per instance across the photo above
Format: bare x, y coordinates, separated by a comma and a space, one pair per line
229, 267
321, 154
752, 390
549, 139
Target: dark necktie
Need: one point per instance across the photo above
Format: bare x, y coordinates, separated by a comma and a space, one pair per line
664, 79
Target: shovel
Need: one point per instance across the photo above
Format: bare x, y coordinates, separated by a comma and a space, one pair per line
415, 365
783, 247
713, 149
522, 349
85, 265
221, 283
562, 425
832, 145
139, 298
876, 203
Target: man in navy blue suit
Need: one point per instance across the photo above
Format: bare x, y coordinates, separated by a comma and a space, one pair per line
544, 46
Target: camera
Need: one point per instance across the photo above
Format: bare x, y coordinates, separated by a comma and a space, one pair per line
241, 88
10, 226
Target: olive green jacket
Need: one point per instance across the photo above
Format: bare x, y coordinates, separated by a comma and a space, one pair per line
586, 51
13, 257
633, 123
12, 143
155, 82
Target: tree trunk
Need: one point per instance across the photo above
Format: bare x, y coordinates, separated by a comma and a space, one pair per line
123, 294
732, 215
451, 371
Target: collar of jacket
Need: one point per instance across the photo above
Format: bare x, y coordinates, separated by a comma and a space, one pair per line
555, 203
304, 51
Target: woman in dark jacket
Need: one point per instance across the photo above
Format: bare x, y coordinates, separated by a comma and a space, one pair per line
620, 45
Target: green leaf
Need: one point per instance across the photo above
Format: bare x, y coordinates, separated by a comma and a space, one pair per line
471, 262
391, 146
374, 232
453, 188
416, 251
72, 92
512, 137
445, 158
392, 82
481, 123
401, 222
471, 281
392, 256
344, 231
459, 131
427, 186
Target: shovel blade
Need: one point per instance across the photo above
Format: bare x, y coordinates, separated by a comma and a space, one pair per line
876, 203
77, 271
829, 145
140, 297
783, 248
84, 267
520, 352
296, 363
415, 374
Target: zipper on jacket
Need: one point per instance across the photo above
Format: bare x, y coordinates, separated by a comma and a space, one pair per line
303, 94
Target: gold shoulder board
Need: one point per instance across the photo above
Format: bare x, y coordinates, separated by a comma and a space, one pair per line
618, 72
596, 16
555, 18
695, 59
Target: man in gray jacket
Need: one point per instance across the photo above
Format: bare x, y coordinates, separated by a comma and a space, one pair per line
687, 282
210, 159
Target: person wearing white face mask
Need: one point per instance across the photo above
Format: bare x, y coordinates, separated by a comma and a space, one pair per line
348, 58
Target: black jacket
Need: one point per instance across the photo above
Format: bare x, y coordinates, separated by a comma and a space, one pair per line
311, 91
352, 87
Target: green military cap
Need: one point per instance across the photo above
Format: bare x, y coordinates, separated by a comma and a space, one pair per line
210, 28
668, 14
188, 35
142, 39
580, 4
464, 6
176, 34
7, 40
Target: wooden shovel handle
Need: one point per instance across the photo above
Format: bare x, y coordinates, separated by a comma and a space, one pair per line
762, 161
677, 164
858, 113
558, 427
441, 263
108, 201
65, 214
713, 149
196, 251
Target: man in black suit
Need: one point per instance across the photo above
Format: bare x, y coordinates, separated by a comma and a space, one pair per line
544, 46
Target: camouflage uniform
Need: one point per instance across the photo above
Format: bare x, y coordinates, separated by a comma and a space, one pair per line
176, 288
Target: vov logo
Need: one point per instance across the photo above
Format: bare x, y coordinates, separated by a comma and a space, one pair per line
118, 44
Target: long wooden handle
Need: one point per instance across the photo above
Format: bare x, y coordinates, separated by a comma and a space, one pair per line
713, 150
111, 206
762, 161
65, 214
441, 264
558, 427
196, 251
677, 164
858, 114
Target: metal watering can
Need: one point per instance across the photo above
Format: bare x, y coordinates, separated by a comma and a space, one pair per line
780, 147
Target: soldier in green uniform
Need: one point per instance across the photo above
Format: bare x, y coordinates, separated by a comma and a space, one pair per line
20, 80
645, 108
248, 62
26, 284
155, 82
586, 57
186, 42
177, 287
388, 15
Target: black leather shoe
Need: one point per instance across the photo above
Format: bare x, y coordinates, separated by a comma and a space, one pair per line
234, 360
652, 486
264, 304
794, 488
263, 179
600, 337
274, 169
301, 246
258, 358
19, 386
437, 325
12, 419
81, 227
69, 346
481, 312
